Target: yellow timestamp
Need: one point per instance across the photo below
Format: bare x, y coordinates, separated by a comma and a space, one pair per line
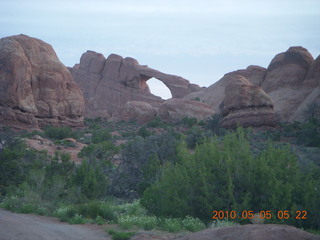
219, 215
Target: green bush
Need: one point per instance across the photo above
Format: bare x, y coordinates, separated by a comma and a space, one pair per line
143, 132
120, 235
126, 222
189, 121
102, 151
156, 122
171, 225
77, 219
89, 177
214, 124
59, 133
101, 136
192, 224
140, 164
225, 175
96, 209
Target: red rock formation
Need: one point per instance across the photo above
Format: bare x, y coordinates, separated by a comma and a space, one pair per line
36, 89
291, 80
312, 88
285, 81
108, 84
214, 95
174, 110
246, 105
137, 111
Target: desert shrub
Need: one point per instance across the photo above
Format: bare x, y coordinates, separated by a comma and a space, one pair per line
312, 112
309, 134
156, 122
189, 121
141, 161
96, 209
15, 163
126, 222
59, 133
89, 177
133, 208
224, 175
77, 219
214, 124
195, 136
192, 224
171, 224
120, 235
222, 223
101, 136
143, 132
102, 151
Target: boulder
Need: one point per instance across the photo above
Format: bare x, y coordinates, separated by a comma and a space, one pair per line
138, 111
252, 232
246, 105
174, 110
108, 84
36, 89
214, 95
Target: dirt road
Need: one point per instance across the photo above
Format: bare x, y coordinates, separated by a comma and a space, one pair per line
30, 227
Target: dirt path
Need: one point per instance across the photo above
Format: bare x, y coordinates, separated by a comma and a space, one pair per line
30, 227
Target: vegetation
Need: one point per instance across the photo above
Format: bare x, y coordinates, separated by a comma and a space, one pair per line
166, 177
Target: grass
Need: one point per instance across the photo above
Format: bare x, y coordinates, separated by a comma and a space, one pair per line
127, 216
120, 235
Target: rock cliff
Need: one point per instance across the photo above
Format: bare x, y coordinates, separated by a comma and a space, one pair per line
36, 89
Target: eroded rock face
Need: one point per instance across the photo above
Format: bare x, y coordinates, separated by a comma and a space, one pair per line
246, 105
312, 88
108, 84
36, 89
174, 110
137, 111
292, 80
285, 78
214, 95
289, 68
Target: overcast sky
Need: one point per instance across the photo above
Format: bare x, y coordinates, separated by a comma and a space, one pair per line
200, 40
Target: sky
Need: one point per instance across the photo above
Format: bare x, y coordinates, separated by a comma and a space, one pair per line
200, 40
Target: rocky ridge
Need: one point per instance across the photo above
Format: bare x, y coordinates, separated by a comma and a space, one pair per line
38, 90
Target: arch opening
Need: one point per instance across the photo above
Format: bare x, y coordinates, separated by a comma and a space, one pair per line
159, 89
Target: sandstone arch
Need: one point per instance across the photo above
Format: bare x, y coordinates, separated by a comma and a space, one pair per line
109, 83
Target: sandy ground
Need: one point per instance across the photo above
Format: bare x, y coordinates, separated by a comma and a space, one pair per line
30, 227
